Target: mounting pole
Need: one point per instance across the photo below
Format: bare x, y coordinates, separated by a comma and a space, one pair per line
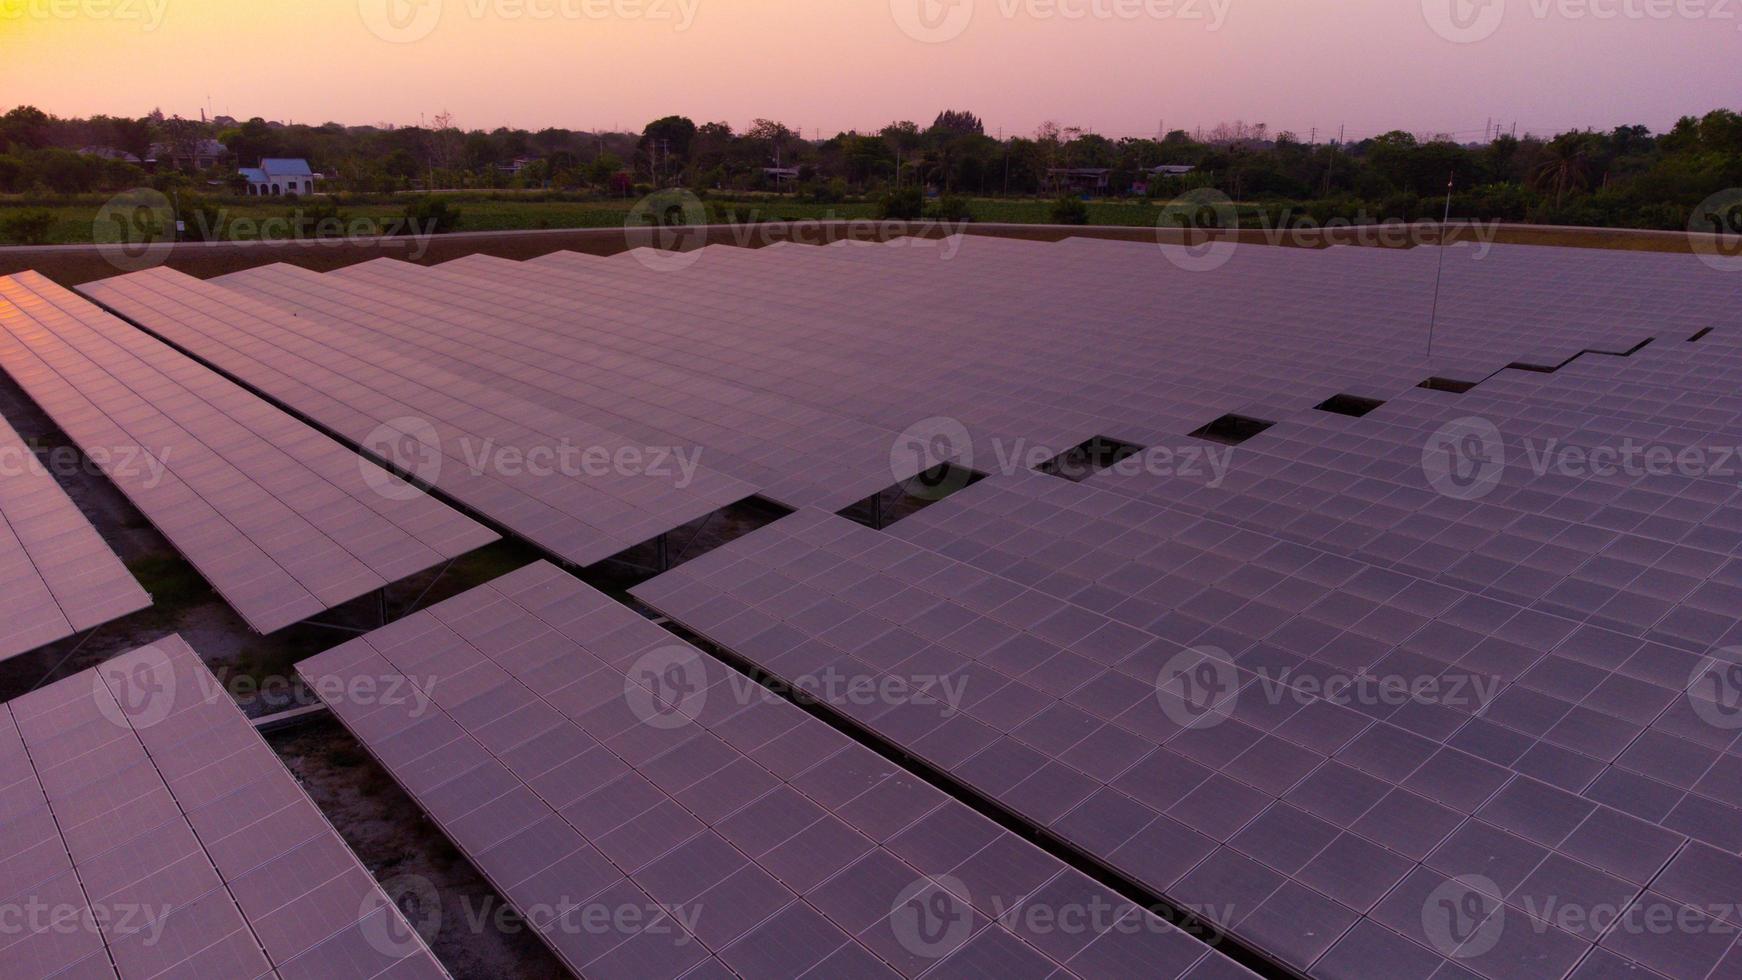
1439, 273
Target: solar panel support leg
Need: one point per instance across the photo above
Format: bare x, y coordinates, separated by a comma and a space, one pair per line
662, 547
381, 603
877, 511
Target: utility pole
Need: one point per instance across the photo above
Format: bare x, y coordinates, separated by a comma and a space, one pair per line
1440, 271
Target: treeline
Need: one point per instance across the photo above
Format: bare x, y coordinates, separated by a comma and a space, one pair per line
1627, 177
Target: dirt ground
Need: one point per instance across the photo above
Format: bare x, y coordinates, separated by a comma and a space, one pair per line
474, 933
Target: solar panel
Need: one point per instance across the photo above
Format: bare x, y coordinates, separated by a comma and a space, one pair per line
57, 577
581, 492
1323, 829
1153, 665
282, 521
796, 453
150, 832
589, 763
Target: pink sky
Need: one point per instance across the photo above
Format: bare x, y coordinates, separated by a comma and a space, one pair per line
1119, 67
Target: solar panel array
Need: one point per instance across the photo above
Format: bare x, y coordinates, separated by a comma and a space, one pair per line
57, 577
581, 492
146, 830
588, 761
1422, 678
282, 521
1326, 833
511, 338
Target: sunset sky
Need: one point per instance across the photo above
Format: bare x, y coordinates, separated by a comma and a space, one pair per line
1120, 67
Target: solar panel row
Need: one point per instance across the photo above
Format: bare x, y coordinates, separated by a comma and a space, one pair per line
1312, 829
506, 337
57, 577
1146, 357
281, 520
148, 832
579, 491
590, 763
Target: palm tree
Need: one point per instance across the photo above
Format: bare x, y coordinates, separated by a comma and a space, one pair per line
1566, 163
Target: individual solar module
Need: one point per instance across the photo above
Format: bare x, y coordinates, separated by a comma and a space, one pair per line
580, 492
150, 832
57, 577
1322, 829
589, 763
282, 521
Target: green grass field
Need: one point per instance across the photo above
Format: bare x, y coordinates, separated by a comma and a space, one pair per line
73, 221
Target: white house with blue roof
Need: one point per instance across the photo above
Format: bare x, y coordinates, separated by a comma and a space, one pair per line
277, 176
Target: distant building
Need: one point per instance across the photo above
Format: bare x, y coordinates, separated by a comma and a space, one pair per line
1080, 180
780, 175
277, 176
108, 153
206, 155
1172, 170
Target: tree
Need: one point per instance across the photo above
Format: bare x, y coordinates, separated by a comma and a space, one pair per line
958, 122
668, 137
252, 141
771, 137
602, 169
1565, 165
26, 126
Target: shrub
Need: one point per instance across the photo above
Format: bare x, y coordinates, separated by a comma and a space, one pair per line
952, 209
203, 221
431, 216
1069, 210
27, 227
321, 219
904, 204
